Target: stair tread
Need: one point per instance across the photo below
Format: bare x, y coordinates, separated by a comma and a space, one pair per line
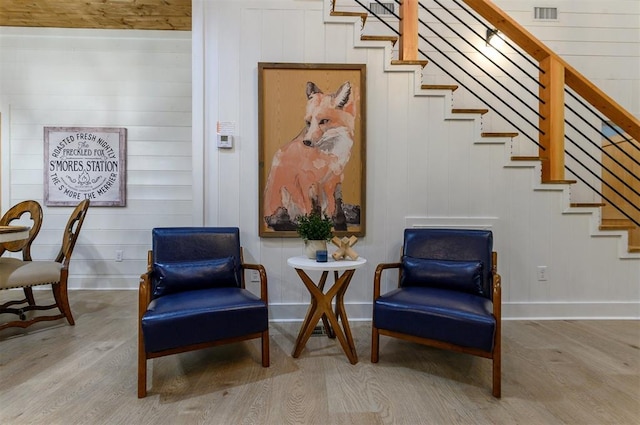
634, 249
560, 182
525, 158
392, 38
360, 15
499, 134
588, 204
451, 87
625, 221
616, 227
422, 63
469, 111
339, 13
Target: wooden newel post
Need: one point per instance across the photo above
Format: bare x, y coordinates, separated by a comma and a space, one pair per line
408, 30
552, 123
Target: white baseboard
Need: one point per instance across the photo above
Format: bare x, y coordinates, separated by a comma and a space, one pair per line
571, 310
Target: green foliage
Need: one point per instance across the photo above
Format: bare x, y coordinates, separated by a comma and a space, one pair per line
314, 227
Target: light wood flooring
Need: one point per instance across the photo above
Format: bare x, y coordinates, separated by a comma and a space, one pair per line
554, 372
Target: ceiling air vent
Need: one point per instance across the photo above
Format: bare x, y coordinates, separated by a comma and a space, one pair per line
545, 13
381, 8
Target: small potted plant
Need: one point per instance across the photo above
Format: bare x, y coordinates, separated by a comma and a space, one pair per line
315, 229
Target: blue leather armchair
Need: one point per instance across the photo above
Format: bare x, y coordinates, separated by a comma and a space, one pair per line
448, 295
193, 295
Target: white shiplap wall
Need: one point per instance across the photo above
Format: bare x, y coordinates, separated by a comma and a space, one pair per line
422, 167
140, 80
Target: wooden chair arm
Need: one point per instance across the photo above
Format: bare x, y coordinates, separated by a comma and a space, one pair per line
378, 276
144, 291
497, 296
263, 279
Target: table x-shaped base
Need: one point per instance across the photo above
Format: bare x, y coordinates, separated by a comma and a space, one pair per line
320, 308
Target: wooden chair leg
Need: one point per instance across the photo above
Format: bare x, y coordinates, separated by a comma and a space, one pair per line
265, 349
497, 366
28, 294
375, 343
142, 373
62, 300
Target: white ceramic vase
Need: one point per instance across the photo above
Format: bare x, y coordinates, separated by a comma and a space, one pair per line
311, 246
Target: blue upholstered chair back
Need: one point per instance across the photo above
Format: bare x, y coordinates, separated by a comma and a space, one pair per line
191, 244
452, 244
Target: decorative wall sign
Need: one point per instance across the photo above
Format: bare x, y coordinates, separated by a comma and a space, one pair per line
85, 163
311, 146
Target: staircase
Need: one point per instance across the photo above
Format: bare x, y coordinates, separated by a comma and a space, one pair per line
606, 219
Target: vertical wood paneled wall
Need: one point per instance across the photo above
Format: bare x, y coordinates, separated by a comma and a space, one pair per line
140, 80
422, 168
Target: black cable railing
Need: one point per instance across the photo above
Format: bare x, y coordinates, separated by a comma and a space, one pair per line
601, 119
481, 66
513, 48
503, 100
381, 20
469, 89
485, 72
602, 150
472, 92
611, 202
466, 41
605, 182
467, 73
620, 172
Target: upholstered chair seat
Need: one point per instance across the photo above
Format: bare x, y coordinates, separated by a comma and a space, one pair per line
177, 320
458, 318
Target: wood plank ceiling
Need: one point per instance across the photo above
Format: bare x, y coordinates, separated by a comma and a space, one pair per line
105, 14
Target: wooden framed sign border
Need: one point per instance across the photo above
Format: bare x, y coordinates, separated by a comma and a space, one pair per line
85, 163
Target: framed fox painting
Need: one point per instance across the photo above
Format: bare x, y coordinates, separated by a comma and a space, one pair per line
311, 146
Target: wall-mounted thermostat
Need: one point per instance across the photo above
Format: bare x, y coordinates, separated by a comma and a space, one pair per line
225, 141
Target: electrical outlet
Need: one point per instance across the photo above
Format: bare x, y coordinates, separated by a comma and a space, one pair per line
255, 276
543, 275
119, 255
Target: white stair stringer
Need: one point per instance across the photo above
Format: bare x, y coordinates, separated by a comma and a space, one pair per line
594, 225
535, 165
476, 118
594, 212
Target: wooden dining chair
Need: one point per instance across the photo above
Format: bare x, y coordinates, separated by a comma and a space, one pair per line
23, 273
16, 215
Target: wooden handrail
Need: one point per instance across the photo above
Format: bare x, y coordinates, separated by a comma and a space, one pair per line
556, 72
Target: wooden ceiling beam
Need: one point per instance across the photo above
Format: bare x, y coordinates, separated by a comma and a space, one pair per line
103, 14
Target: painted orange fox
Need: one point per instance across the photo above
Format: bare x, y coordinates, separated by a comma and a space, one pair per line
307, 172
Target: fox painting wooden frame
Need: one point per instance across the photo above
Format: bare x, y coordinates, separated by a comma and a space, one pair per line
311, 146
